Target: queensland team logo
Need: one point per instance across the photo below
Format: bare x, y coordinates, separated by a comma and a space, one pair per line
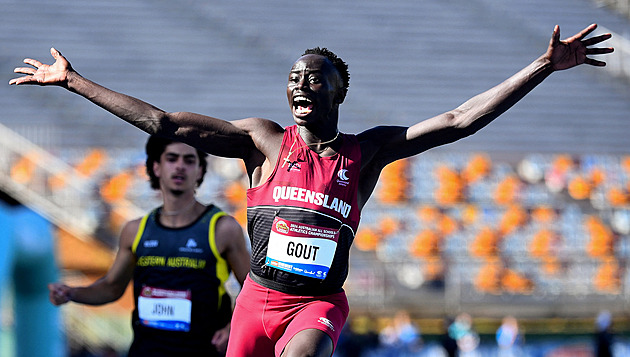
282, 227
342, 177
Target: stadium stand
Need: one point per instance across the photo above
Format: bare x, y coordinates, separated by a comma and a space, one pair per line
530, 215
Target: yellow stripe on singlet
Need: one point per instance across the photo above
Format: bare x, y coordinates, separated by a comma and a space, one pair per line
136, 240
222, 270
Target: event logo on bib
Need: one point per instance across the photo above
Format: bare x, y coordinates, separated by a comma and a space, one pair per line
282, 227
301, 248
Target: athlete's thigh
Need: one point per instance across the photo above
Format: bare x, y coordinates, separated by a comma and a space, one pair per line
316, 327
309, 342
247, 335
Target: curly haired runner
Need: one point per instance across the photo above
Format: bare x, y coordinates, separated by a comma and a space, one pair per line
309, 182
179, 256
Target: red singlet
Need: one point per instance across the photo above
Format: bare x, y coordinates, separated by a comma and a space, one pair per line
301, 223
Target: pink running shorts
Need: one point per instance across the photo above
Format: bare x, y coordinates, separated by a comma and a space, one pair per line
265, 320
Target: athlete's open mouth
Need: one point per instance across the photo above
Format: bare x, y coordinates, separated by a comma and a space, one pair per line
302, 105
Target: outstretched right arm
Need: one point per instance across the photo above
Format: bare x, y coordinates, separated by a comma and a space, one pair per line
215, 136
111, 286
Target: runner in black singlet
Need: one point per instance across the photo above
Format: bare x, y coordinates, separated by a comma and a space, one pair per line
179, 256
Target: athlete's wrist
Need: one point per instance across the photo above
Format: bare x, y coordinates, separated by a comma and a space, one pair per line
71, 294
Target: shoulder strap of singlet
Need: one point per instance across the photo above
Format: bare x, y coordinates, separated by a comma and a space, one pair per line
284, 148
222, 268
136, 240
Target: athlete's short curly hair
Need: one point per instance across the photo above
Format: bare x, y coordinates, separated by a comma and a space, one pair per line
342, 67
155, 148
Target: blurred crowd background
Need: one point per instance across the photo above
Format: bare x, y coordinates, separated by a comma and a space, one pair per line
513, 242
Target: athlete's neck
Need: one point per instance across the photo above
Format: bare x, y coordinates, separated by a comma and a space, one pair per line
179, 212
318, 142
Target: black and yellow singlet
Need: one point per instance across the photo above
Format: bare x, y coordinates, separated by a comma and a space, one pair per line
180, 298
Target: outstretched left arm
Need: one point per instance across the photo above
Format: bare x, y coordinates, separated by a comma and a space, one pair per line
393, 143
383, 145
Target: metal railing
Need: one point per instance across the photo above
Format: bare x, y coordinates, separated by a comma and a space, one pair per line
48, 185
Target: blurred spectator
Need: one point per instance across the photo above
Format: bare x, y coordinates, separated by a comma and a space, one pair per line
603, 335
358, 338
448, 342
509, 337
402, 337
461, 330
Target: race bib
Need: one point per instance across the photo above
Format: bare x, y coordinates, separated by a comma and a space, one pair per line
165, 309
301, 249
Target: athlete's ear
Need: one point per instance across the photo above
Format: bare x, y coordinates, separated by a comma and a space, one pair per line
341, 95
156, 169
199, 174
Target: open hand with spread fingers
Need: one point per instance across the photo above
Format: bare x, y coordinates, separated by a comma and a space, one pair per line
575, 50
44, 74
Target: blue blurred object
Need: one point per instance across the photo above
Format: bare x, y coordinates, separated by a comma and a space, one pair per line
27, 265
